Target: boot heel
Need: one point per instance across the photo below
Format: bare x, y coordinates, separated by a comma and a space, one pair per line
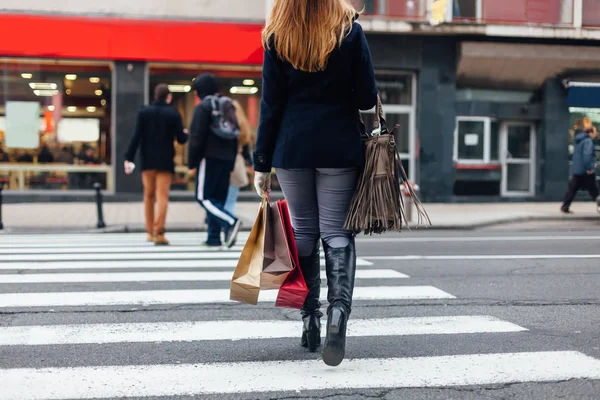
335, 343
313, 340
336, 321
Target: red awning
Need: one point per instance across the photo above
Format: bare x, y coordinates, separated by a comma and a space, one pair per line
130, 39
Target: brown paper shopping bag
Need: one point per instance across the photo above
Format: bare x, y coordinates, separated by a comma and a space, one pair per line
277, 262
245, 283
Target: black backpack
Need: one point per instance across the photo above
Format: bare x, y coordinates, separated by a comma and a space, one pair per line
224, 123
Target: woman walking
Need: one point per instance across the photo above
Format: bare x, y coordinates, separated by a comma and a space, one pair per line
317, 75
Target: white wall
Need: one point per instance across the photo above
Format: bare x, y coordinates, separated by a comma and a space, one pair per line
236, 10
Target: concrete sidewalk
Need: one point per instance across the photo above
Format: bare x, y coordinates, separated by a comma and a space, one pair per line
188, 216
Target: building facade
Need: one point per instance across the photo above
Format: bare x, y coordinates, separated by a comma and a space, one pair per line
485, 100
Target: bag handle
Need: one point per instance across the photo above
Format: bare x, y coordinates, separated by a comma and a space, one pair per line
379, 122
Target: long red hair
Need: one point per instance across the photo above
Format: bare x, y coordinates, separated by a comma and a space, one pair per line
305, 32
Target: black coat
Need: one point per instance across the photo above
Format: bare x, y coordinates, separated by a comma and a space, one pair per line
158, 126
310, 120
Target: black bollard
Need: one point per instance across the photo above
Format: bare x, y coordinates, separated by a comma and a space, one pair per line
98, 188
1, 224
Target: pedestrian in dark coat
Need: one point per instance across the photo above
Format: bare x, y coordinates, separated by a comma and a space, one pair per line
158, 126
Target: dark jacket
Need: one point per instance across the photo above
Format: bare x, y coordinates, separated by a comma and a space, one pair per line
158, 125
583, 155
310, 120
205, 144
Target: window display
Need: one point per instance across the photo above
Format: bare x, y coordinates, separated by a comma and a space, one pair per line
55, 119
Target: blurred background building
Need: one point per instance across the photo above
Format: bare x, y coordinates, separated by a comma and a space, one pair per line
485, 100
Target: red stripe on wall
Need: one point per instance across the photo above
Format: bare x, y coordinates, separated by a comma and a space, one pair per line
131, 40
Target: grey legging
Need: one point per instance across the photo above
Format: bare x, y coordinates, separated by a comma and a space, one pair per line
318, 200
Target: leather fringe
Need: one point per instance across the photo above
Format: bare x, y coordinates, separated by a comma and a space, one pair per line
377, 205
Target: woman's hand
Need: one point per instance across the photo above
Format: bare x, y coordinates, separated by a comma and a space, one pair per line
262, 183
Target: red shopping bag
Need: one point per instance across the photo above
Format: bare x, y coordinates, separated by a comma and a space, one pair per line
294, 290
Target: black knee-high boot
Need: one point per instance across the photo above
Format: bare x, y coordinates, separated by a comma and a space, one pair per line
311, 311
341, 270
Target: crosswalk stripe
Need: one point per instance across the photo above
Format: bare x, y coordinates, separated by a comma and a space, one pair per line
104, 238
162, 276
285, 376
485, 257
118, 249
191, 244
99, 256
114, 264
201, 296
242, 330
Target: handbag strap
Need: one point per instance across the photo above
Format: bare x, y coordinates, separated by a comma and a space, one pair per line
379, 122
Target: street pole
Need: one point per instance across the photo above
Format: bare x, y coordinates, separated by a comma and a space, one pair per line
98, 189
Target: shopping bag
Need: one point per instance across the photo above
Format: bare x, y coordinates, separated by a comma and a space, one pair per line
293, 290
245, 283
277, 262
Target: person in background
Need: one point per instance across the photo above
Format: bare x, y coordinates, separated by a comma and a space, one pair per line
65, 155
243, 154
158, 126
211, 158
45, 155
317, 75
24, 157
3, 155
89, 157
584, 168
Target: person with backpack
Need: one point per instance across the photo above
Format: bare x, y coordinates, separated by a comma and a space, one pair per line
213, 149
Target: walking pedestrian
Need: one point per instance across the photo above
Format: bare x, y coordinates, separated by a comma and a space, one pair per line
212, 151
158, 126
317, 74
584, 168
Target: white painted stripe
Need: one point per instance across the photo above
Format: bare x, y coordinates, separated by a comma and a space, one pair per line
202, 296
190, 244
241, 330
488, 257
124, 256
162, 276
103, 238
119, 249
201, 179
462, 239
158, 264
293, 376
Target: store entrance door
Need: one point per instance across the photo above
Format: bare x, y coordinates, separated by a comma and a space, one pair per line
518, 144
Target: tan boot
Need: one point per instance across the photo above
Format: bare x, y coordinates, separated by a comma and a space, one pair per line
160, 240
150, 238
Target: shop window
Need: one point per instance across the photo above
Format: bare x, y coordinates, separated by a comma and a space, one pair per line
55, 119
476, 140
466, 9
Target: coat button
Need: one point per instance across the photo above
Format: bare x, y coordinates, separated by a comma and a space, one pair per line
261, 159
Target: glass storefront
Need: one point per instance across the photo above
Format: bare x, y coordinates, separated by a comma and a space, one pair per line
55, 125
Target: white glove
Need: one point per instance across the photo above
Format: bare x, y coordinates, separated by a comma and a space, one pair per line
262, 183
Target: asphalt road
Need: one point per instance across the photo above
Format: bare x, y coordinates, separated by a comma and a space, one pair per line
491, 314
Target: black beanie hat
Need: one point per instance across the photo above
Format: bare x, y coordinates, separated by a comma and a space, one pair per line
205, 85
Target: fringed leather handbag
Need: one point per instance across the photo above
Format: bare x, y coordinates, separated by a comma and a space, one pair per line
377, 205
